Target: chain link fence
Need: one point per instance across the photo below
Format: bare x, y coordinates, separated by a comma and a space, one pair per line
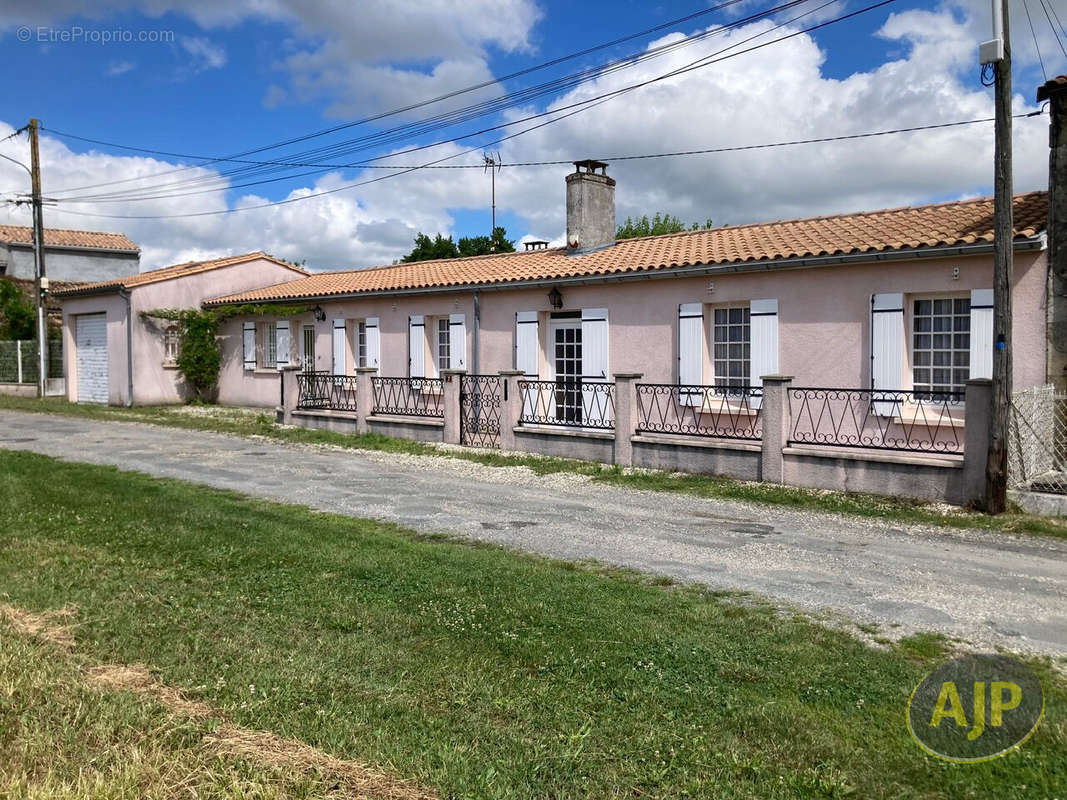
1037, 441
18, 360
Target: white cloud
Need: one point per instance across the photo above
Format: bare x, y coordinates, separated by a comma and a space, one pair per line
116, 68
775, 94
203, 53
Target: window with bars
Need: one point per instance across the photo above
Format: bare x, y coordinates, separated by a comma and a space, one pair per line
361, 344
732, 345
941, 344
270, 345
171, 344
444, 344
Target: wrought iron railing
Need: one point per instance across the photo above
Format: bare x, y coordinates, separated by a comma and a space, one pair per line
879, 419
481, 398
573, 403
321, 390
409, 397
727, 412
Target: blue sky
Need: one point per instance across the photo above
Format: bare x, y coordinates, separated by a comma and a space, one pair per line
236, 76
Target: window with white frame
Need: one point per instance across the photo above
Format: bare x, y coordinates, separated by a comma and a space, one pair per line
444, 344
270, 345
171, 344
941, 344
731, 336
361, 344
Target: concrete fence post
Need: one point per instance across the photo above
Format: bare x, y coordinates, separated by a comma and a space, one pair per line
290, 392
451, 383
510, 407
625, 416
977, 424
777, 423
364, 397
18, 358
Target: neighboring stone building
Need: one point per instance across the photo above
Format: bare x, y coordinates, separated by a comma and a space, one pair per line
70, 256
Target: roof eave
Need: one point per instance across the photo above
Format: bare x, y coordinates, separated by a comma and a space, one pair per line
80, 248
1038, 242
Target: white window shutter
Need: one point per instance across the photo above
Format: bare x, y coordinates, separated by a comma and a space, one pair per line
285, 343
340, 361
416, 347
763, 335
887, 340
249, 340
595, 361
374, 341
457, 341
526, 337
690, 351
981, 333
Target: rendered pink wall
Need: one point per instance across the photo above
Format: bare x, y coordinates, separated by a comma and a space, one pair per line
154, 383
824, 319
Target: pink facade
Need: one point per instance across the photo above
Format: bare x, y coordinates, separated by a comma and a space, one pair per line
155, 382
824, 322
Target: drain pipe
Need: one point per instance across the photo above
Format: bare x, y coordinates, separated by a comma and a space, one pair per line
125, 295
477, 331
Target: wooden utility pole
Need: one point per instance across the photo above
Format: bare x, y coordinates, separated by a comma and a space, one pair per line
1003, 235
38, 251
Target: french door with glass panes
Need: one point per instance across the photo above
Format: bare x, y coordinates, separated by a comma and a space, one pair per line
566, 365
307, 348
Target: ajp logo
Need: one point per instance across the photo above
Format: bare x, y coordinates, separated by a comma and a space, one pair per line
975, 708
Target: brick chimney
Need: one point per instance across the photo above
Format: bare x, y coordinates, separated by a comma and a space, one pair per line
1055, 92
590, 207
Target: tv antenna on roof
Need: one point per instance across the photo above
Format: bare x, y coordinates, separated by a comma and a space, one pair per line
492, 164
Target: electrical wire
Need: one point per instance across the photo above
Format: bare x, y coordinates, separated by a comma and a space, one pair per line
588, 103
1055, 33
413, 106
1037, 47
434, 124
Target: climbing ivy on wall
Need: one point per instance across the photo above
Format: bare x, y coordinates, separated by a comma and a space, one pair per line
199, 358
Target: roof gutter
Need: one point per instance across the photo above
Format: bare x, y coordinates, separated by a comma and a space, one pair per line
79, 248
807, 262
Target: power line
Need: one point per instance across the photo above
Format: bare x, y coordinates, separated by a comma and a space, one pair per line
1055, 33
581, 107
433, 124
678, 153
1037, 47
413, 106
705, 61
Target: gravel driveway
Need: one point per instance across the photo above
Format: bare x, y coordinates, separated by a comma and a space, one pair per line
989, 589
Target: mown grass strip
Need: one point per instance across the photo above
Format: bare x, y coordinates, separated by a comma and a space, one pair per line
241, 422
474, 670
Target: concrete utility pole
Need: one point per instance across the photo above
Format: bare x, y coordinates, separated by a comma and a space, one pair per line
38, 251
1055, 93
492, 164
1003, 235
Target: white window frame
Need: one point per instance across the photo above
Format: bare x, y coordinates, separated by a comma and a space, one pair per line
171, 344
442, 344
270, 345
958, 301
727, 380
361, 343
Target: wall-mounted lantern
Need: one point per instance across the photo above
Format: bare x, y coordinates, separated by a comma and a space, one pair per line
555, 298
320, 315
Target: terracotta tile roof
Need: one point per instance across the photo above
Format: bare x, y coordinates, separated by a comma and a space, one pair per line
169, 273
915, 227
59, 237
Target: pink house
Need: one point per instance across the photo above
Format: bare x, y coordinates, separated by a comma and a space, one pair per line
112, 354
898, 299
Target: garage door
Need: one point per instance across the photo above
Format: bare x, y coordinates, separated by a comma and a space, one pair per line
90, 331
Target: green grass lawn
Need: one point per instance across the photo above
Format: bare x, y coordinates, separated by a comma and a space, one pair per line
242, 422
473, 670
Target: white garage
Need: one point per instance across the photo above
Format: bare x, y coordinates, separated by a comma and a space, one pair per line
91, 367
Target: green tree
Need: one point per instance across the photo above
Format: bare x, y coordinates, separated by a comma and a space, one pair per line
659, 224
440, 247
18, 317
